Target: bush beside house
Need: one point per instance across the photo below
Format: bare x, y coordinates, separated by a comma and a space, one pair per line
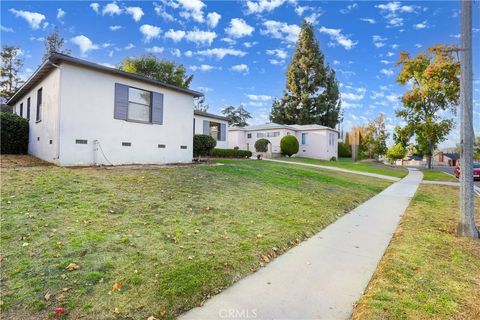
14, 133
230, 153
203, 145
289, 145
344, 150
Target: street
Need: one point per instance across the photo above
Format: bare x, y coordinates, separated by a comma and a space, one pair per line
450, 170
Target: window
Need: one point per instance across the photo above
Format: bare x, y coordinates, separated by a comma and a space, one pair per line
21, 109
215, 130
139, 105
81, 141
331, 139
260, 134
304, 138
183, 147
28, 108
249, 136
273, 134
39, 105
126, 144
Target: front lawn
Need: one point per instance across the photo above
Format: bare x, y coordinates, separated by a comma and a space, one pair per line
130, 244
427, 271
347, 163
437, 175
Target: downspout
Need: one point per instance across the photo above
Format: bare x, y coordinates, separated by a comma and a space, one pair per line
59, 108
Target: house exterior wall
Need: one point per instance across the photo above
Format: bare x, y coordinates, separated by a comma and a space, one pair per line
43, 139
317, 142
87, 113
199, 129
318, 145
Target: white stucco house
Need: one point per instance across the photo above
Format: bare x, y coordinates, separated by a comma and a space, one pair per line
315, 141
212, 125
82, 113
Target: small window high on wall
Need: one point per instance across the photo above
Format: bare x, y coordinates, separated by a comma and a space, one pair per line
39, 105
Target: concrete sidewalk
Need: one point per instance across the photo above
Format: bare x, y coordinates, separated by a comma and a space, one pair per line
375, 175
323, 277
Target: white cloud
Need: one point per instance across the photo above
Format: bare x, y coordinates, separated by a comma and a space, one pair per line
229, 41
421, 25
387, 72
160, 11
250, 44
242, 68
95, 6
313, 18
192, 9
418, 45
129, 46
391, 10
378, 41
335, 62
352, 96
34, 19
84, 43
369, 20
175, 35
115, 28
276, 62
336, 35
263, 5
279, 53
111, 9
392, 98
60, 13
394, 46
390, 54
204, 89
385, 61
188, 53
201, 37
220, 53
155, 49
281, 30
238, 28
299, 10
212, 19
6, 29
203, 67
150, 32
176, 52
135, 12
258, 97
349, 8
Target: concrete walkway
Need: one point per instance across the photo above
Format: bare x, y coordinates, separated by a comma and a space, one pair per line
324, 276
375, 175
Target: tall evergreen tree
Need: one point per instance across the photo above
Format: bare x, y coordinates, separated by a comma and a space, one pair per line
10, 71
312, 94
237, 116
54, 43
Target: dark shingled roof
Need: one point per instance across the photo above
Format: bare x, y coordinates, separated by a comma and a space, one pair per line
57, 58
453, 156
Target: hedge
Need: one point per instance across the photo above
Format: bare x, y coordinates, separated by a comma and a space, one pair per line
289, 145
261, 145
230, 153
14, 134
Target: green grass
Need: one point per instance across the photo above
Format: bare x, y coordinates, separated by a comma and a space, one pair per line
427, 271
437, 175
364, 166
171, 236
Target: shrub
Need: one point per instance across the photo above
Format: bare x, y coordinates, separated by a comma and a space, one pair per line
14, 133
344, 150
333, 158
230, 153
289, 145
396, 152
261, 145
203, 145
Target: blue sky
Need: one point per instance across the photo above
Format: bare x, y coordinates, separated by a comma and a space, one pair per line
238, 51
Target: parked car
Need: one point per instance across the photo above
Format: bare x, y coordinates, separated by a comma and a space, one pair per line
476, 171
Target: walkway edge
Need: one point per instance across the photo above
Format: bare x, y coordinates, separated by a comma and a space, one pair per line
375, 175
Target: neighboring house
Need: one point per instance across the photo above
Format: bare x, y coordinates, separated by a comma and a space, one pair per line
411, 160
82, 113
212, 125
442, 158
315, 141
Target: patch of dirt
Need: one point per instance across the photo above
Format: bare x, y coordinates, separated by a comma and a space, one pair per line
21, 161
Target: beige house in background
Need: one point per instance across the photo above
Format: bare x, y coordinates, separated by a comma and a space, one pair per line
315, 141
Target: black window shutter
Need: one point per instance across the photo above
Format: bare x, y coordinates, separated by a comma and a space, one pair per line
121, 102
157, 108
206, 127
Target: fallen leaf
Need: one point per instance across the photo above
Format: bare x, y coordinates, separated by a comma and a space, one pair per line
116, 286
47, 296
72, 266
152, 318
116, 310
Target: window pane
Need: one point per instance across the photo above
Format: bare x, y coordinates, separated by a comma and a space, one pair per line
138, 96
215, 130
138, 112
